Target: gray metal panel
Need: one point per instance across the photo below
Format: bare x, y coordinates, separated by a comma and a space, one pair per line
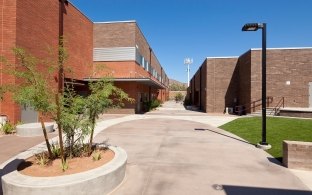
114, 54
310, 94
29, 115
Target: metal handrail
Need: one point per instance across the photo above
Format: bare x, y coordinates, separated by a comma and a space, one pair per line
253, 105
278, 106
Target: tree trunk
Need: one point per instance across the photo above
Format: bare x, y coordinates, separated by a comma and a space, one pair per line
46, 137
59, 126
92, 132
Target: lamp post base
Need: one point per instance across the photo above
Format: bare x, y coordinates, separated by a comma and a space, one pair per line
264, 146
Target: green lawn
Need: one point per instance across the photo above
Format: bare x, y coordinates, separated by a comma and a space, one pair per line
278, 129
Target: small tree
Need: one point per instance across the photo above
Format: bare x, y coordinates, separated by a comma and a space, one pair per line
104, 95
74, 115
73, 121
31, 89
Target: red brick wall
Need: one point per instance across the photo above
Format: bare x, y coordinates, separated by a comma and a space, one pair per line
36, 24
142, 44
229, 78
144, 50
78, 35
244, 75
197, 90
297, 155
7, 42
163, 95
126, 34
204, 87
38, 30
114, 34
124, 69
131, 89
221, 84
294, 65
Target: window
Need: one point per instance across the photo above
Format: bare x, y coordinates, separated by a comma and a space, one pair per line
142, 62
146, 66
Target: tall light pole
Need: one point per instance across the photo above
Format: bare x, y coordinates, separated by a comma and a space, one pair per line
188, 62
254, 27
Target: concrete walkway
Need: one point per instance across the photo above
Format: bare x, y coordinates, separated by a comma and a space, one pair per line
11, 145
173, 155
176, 151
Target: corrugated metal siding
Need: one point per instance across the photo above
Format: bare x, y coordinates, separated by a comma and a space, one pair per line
114, 54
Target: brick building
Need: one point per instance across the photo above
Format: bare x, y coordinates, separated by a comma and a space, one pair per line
37, 25
128, 58
232, 81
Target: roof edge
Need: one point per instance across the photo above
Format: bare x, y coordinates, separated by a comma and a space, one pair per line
222, 57
281, 48
114, 22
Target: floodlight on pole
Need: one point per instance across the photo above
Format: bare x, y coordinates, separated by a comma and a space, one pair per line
188, 62
254, 27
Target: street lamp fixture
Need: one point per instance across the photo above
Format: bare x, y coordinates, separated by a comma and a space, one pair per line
254, 27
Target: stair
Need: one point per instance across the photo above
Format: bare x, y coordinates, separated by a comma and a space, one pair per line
269, 112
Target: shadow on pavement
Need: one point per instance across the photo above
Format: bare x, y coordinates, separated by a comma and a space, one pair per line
10, 167
244, 190
277, 161
201, 129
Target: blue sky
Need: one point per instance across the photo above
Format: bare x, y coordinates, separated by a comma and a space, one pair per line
177, 29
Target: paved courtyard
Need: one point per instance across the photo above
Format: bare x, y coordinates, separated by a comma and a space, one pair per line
173, 155
176, 151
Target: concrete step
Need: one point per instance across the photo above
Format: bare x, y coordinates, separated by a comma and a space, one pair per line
269, 112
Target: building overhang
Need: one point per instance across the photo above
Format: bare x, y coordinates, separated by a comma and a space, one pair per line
145, 81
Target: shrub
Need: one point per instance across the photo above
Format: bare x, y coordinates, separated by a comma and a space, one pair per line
56, 150
178, 97
96, 155
42, 159
150, 105
64, 165
7, 128
155, 103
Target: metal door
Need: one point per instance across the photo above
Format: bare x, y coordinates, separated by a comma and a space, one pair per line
29, 115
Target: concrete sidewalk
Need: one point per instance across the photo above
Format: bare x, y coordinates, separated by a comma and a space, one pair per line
175, 151
167, 155
11, 145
